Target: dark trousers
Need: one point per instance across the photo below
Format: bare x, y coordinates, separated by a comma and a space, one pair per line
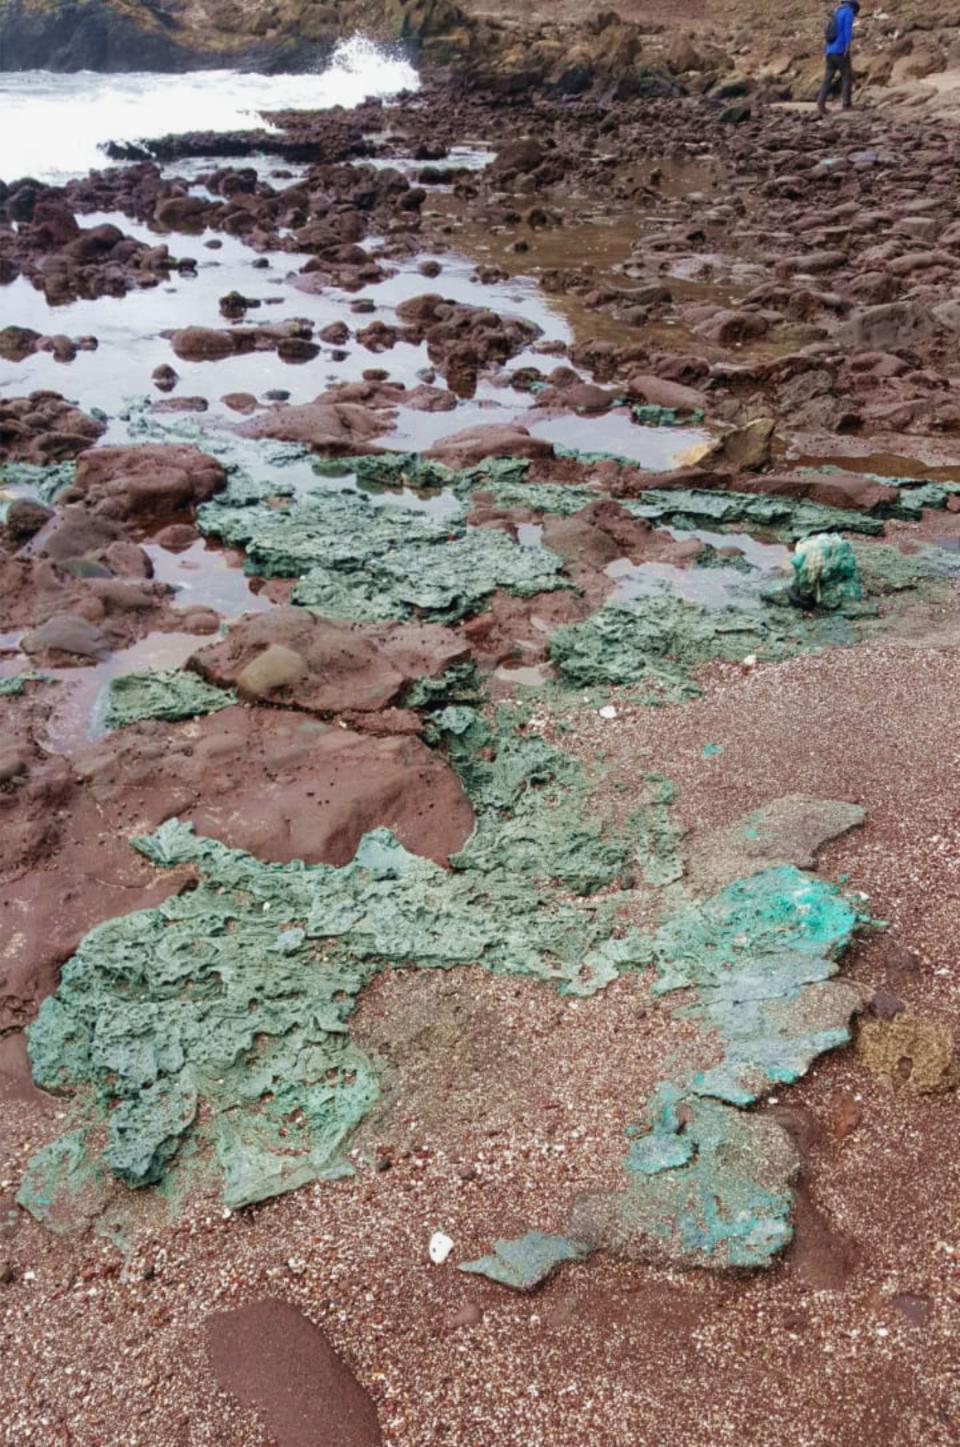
837, 65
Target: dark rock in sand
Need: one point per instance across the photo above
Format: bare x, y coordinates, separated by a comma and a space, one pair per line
277, 1363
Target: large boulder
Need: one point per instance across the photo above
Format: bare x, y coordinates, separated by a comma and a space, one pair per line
290, 656
152, 480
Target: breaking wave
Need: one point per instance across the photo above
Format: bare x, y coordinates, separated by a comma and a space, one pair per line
52, 126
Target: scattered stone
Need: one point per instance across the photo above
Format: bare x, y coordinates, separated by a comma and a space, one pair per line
65, 633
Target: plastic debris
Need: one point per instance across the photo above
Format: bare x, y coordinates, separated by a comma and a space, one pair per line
659, 837
788, 830
825, 572
649, 414
16, 684
439, 1248
760, 956
171, 694
443, 584
608, 711
58, 1175
708, 1186
530, 798
657, 640
357, 560
694, 508
526, 1261
44, 480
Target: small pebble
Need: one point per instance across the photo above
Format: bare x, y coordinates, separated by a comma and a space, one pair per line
440, 1248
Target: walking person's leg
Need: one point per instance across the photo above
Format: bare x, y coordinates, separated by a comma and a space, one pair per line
828, 73
846, 82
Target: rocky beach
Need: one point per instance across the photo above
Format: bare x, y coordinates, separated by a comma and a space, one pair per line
479, 660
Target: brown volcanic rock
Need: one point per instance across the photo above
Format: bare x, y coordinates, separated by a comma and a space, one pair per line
155, 480
342, 428
290, 656
274, 1360
830, 489
352, 783
277, 784
519, 629
292, 339
108, 596
604, 531
44, 428
461, 339
496, 439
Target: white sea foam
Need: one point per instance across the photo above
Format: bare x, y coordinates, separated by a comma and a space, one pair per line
52, 126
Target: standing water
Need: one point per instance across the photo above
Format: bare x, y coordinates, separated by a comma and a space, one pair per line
53, 127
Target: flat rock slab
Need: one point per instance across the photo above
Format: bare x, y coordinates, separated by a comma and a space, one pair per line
276, 1362
341, 428
790, 830
275, 784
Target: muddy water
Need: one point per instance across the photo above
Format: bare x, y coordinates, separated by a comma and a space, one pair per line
133, 332
206, 577
656, 448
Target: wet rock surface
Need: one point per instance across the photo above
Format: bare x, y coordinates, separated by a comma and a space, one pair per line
290, 656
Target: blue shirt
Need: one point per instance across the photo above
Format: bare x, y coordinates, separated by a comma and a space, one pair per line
845, 18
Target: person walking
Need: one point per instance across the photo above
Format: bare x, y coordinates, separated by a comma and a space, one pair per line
839, 42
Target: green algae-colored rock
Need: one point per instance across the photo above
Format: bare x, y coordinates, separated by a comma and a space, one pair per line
225, 1010
695, 508
165, 694
526, 1261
